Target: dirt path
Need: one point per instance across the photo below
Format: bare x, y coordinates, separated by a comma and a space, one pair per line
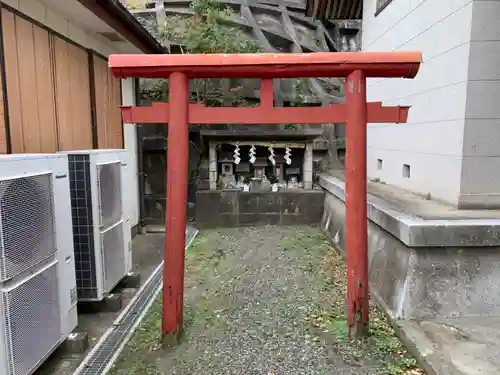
258, 301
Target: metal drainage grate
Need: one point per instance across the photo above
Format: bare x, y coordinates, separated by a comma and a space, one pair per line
102, 356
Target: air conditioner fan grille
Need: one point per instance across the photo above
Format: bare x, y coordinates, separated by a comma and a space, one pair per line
27, 223
110, 190
33, 321
113, 256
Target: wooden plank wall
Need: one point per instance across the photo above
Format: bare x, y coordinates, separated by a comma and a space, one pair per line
49, 92
107, 104
74, 116
30, 89
3, 130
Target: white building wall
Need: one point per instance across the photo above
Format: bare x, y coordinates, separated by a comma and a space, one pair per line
432, 142
480, 183
51, 19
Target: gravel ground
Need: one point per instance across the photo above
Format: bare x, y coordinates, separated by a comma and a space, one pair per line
251, 295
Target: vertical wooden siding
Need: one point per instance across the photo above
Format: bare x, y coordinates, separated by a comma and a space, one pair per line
30, 89
107, 106
48, 87
72, 96
3, 130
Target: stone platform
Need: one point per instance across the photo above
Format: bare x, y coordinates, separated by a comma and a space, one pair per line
434, 269
233, 208
423, 265
454, 346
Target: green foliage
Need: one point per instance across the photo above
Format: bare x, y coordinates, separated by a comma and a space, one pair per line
208, 30
157, 93
299, 87
290, 126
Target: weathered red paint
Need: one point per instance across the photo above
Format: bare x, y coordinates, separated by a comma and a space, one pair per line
355, 191
268, 65
356, 113
266, 96
176, 212
199, 114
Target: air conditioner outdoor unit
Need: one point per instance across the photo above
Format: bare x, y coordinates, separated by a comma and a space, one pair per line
101, 241
37, 271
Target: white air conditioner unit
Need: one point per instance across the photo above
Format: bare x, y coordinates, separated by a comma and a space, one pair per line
101, 241
37, 271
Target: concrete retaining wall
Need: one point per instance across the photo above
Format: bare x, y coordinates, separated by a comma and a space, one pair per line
428, 279
232, 208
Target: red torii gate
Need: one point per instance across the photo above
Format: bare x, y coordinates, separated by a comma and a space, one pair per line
178, 113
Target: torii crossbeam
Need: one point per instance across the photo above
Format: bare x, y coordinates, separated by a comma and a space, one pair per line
178, 113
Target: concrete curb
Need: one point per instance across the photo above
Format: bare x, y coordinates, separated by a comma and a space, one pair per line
408, 343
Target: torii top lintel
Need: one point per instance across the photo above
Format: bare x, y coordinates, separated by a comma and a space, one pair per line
268, 65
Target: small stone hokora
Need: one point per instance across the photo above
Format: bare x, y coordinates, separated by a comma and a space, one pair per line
241, 183
293, 183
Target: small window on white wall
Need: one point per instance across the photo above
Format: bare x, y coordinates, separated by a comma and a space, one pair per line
406, 171
381, 5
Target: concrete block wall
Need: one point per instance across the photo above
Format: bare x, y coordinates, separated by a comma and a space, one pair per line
233, 208
417, 155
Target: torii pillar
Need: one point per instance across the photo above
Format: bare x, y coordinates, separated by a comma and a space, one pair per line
178, 113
